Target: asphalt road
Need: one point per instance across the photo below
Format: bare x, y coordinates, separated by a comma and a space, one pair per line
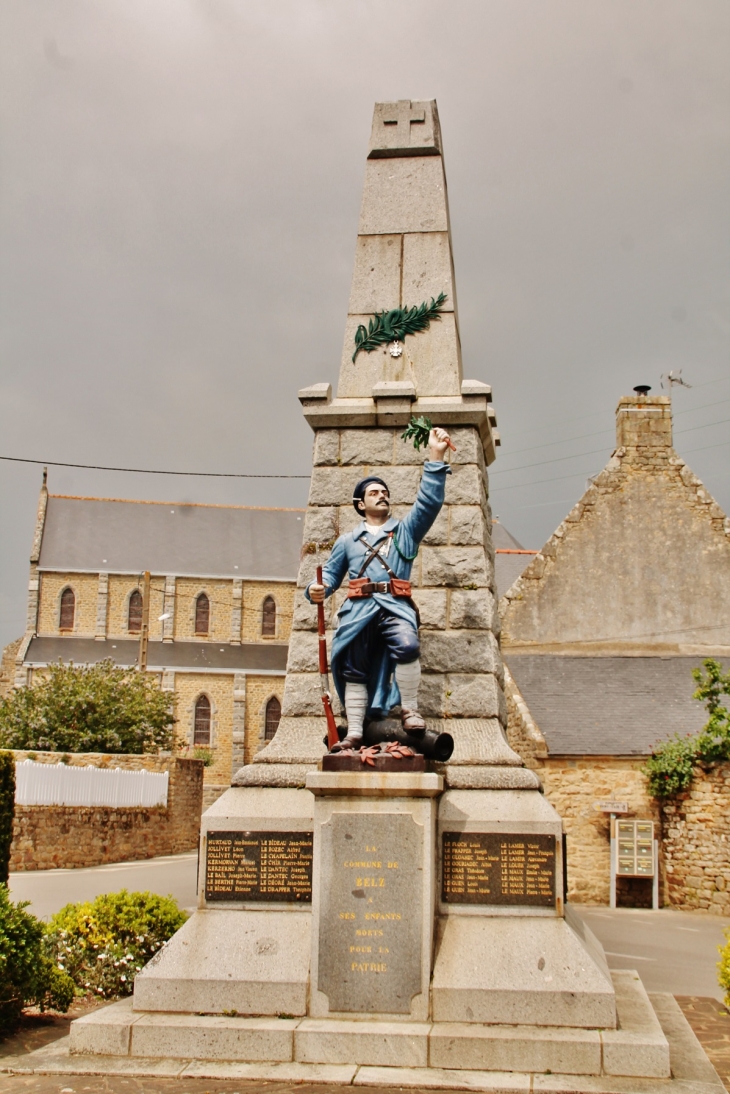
49, 890
672, 951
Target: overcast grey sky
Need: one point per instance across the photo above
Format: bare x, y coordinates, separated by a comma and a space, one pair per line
180, 189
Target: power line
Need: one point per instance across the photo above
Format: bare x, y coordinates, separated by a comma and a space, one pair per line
148, 471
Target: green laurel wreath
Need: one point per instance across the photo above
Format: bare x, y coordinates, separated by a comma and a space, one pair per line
419, 430
394, 325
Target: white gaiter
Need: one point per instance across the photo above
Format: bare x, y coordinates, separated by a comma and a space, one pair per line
356, 703
408, 677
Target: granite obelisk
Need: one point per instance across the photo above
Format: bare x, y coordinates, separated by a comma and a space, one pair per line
403, 258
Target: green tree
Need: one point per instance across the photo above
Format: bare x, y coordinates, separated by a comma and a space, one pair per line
669, 768
94, 708
7, 812
713, 743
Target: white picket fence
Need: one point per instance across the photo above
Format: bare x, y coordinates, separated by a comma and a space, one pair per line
61, 784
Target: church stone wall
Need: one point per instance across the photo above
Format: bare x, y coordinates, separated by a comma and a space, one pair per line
220, 595
254, 594
259, 689
219, 689
85, 587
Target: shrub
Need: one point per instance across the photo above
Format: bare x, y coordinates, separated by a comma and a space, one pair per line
28, 976
89, 708
669, 768
7, 812
723, 967
103, 944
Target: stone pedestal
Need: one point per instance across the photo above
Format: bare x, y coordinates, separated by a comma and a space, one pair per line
374, 894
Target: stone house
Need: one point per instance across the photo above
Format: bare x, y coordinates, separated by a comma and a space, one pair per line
221, 598
600, 633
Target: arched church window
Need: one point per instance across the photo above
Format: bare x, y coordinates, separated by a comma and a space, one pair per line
134, 613
268, 618
273, 717
202, 614
68, 610
201, 730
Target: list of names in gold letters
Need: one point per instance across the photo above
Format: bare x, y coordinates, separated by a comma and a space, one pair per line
260, 866
490, 868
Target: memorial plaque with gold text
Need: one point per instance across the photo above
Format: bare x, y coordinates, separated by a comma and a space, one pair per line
265, 866
489, 868
371, 917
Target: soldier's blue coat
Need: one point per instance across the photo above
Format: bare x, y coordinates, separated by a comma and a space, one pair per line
348, 555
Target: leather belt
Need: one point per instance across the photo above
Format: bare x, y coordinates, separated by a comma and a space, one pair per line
360, 587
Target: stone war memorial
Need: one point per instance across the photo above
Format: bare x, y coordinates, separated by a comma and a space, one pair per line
392, 914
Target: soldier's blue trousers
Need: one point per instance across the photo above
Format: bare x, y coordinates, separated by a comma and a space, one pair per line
400, 637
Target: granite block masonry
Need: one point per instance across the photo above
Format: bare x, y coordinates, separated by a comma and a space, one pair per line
403, 257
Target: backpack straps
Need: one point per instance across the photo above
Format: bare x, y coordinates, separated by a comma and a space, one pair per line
375, 553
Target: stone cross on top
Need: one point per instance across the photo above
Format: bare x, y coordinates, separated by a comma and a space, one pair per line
405, 128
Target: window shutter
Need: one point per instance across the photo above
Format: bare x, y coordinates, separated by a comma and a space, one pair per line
201, 731
268, 618
68, 610
202, 614
273, 717
134, 618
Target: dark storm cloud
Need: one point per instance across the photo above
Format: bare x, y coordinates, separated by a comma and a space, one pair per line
180, 193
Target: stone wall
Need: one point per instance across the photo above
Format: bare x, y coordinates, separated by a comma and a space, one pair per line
7, 667
85, 587
259, 689
49, 837
696, 831
102, 606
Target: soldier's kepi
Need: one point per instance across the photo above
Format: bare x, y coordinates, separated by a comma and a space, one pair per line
375, 650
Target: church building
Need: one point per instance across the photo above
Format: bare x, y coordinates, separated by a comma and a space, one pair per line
221, 597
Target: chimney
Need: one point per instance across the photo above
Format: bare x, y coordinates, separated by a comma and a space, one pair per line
644, 424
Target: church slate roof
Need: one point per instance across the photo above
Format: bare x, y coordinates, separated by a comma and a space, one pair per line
255, 657
90, 535
608, 706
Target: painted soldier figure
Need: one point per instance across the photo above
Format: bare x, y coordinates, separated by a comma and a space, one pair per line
375, 649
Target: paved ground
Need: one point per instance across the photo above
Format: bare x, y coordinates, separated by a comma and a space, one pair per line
711, 1024
710, 1021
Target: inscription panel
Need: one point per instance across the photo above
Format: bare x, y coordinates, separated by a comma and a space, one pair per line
371, 917
490, 868
267, 866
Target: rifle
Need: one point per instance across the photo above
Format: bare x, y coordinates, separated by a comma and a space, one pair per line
333, 736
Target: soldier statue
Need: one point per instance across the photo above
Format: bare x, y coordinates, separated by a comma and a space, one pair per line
375, 649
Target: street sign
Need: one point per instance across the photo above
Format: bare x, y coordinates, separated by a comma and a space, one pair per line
611, 807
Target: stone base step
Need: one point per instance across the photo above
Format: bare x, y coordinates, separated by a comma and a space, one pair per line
638, 1047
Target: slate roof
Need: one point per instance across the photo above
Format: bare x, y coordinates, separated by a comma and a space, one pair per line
263, 657
507, 567
97, 534
608, 706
